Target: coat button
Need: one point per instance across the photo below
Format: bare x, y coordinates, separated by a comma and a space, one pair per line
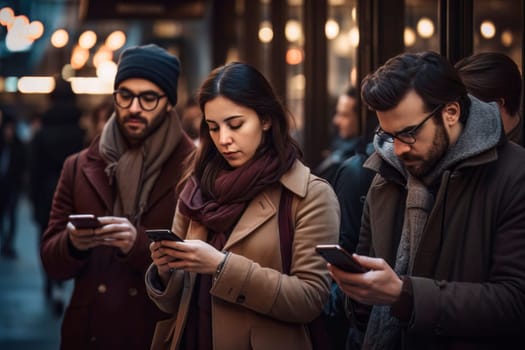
240, 299
133, 291
102, 288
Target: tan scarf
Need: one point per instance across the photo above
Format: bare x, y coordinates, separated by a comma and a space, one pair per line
383, 330
136, 169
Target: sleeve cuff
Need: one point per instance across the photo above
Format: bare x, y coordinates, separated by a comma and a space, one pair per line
154, 280
403, 307
75, 253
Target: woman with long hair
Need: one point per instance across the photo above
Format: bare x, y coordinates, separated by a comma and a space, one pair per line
231, 284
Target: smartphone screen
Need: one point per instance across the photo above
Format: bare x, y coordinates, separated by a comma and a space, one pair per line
83, 221
336, 255
163, 235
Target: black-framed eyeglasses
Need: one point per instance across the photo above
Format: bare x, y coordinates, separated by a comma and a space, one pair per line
407, 136
148, 100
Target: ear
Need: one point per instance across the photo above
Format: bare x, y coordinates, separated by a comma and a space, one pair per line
266, 124
451, 113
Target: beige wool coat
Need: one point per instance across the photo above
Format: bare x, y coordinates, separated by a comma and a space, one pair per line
255, 305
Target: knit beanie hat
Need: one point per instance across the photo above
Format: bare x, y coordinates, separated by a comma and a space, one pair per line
152, 63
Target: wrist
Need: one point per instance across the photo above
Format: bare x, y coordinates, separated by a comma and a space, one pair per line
220, 266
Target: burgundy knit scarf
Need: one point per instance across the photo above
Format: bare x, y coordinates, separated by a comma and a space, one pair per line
232, 192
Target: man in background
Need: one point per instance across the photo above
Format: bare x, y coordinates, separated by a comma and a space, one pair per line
346, 121
12, 170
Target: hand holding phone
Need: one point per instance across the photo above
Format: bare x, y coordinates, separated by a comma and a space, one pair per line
84, 221
163, 235
337, 256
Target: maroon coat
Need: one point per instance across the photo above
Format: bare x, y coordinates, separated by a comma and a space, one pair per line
109, 308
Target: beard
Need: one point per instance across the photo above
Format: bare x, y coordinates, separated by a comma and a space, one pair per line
427, 163
137, 134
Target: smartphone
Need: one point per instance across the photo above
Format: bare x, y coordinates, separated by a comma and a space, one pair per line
163, 235
83, 221
336, 255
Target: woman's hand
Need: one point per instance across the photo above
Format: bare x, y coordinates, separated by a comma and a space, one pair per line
161, 260
190, 255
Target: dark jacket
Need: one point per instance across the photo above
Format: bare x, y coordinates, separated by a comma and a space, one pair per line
468, 280
341, 151
109, 308
351, 185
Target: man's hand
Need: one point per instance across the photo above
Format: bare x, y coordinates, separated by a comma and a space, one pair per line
116, 232
379, 286
82, 239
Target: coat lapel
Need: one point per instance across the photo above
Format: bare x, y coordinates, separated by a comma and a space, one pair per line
99, 182
265, 205
258, 212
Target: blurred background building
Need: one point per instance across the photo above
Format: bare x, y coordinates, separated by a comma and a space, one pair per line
309, 49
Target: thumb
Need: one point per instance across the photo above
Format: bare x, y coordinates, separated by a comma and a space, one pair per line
369, 262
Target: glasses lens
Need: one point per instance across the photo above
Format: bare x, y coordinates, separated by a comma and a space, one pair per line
123, 98
407, 138
149, 101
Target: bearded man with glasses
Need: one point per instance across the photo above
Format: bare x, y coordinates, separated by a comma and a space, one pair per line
443, 227
127, 179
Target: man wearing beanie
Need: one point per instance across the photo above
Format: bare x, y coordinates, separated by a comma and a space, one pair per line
126, 178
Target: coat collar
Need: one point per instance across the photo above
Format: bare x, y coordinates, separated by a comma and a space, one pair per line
377, 164
96, 176
296, 179
260, 210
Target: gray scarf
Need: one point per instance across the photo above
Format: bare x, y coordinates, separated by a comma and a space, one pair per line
136, 169
383, 330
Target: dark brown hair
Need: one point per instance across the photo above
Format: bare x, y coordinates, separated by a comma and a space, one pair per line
491, 76
429, 74
246, 86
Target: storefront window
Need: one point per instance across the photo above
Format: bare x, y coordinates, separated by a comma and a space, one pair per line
342, 36
295, 86
498, 27
266, 35
421, 25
